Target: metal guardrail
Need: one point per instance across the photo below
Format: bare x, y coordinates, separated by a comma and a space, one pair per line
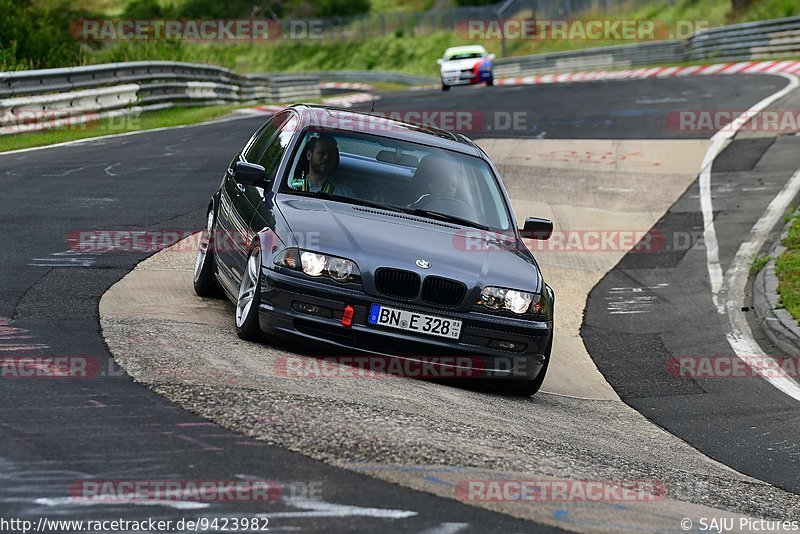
622, 56
752, 40
367, 76
39, 97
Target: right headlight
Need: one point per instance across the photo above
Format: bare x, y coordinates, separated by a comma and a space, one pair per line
317, 264
519, 302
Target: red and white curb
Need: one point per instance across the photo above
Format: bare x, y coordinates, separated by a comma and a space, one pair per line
345, 101
746, 67
260, 110
347, 85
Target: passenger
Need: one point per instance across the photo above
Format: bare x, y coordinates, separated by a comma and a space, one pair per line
444, 186
435, 175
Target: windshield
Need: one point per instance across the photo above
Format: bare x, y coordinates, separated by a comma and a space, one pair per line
397, 175
464, 55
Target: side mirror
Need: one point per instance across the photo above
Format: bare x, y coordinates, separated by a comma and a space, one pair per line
248, 173
537, 228
492, 56
439, 61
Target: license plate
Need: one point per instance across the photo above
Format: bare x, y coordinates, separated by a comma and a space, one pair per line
414, 322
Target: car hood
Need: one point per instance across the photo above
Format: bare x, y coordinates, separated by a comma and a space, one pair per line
376, 238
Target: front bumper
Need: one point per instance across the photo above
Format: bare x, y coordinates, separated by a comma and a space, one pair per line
287, 299
470, 77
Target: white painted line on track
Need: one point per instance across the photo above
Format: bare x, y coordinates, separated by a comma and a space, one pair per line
728, 291
718, 142
314, 508
446, 528
739, 335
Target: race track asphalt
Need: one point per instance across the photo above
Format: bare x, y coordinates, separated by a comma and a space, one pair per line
57, 431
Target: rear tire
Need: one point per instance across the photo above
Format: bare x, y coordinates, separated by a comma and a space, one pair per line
205, 282
490, 82
247, 303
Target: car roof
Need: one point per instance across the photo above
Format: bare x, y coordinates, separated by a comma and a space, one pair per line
468, 49
347, 120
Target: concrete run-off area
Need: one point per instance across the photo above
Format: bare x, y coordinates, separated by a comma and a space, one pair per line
435, 437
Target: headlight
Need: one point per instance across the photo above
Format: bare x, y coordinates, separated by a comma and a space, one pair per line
496, 298
340, 268
313, 263
316, 264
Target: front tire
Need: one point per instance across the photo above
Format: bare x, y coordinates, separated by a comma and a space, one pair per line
490, 82
445, 87
247, 303
530, 388
205, 283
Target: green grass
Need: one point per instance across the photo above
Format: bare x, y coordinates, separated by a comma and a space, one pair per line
758, 262
787, 268
117, 7
405, 51
146, 121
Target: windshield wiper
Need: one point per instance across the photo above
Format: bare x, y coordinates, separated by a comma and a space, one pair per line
349, 200
416, 211
447, 217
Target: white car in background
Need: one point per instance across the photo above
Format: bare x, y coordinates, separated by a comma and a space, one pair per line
466, 65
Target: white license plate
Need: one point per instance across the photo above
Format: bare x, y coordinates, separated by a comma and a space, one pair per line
414, 322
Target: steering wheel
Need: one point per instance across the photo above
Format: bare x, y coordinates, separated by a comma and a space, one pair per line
456, 203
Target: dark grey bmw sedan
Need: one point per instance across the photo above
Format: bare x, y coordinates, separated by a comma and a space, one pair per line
369, 236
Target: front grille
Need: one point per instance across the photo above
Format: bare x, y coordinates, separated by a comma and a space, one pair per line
442, 291
397, 283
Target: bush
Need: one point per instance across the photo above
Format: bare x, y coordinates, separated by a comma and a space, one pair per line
33, 38
341, 8
147, 9
214, 9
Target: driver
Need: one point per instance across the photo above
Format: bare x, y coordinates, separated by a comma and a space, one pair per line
322, 154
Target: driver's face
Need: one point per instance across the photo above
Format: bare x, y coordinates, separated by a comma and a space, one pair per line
322, 159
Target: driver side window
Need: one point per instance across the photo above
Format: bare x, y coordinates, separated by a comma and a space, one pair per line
271, 145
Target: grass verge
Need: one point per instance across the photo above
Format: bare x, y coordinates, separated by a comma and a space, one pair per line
787, 268
148, 120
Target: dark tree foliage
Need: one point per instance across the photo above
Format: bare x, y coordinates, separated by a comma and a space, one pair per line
465, 3
33, 37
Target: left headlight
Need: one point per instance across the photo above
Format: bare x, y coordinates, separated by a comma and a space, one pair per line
519, 302
316, 264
